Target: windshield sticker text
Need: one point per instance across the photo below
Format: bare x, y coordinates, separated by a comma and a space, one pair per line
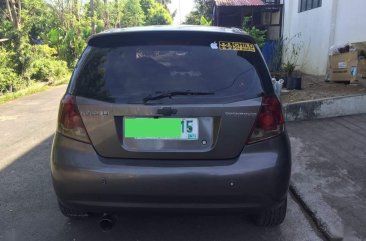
238, 46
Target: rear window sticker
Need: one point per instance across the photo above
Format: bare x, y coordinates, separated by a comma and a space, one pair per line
238, 46
214, 45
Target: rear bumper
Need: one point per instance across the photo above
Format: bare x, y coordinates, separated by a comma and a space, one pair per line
258, 178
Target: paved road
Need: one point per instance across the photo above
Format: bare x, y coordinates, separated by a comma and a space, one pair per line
28, 209
329, 163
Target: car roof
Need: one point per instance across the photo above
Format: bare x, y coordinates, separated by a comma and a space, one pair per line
170, 28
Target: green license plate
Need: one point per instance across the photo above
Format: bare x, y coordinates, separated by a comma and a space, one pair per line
161, 128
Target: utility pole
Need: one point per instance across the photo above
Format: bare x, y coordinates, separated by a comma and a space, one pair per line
180, 12
92, 16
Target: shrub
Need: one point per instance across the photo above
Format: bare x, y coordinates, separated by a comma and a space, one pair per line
49, 70
8, 76
44, 51
258, 35
43, 66
6, 58
8, 79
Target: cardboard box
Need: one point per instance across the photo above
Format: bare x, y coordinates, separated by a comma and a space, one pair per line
347, 67
362, 76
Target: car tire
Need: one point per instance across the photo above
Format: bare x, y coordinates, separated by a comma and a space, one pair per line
271, 217
72, 213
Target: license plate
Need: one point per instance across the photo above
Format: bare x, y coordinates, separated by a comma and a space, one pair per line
161, 128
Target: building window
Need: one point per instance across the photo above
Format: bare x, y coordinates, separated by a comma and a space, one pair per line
309, 4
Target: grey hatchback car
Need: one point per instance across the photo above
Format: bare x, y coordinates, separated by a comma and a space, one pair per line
172, 118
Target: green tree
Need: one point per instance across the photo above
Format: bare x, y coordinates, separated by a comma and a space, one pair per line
164, 2
158, 15
39, 36
202, 8
100, 14
70, 34
34, 21
26, 24
92, 16
146, 5
133, 15
38, 19
115, 11
13, 12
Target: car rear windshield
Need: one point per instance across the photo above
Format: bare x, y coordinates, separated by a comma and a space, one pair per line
224, 69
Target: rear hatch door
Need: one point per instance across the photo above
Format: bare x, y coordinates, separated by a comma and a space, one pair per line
117, 83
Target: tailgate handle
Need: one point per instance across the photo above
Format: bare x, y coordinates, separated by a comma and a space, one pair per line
167, 111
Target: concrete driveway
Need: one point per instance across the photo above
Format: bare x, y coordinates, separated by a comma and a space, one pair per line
29, 209
328, 173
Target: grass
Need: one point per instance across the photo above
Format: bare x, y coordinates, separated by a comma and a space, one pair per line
32, 89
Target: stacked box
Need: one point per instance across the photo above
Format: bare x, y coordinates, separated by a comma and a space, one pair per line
347, 67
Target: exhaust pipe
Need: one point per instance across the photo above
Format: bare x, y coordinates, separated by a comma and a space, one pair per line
107, 222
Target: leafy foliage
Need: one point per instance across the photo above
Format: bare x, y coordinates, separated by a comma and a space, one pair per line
45, 67
37, 19
258, 35
146, 5
158, 15
132, 14
202, 8
8, 77
292, 50
44, 38
205, 22
164, 2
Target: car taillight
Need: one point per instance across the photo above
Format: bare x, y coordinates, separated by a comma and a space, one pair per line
70, 123
270, 121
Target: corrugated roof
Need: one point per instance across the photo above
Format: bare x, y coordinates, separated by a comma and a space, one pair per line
239, 2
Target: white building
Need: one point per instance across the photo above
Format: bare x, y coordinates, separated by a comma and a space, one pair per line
322, 24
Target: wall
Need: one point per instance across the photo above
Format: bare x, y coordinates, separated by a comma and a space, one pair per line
325, 108
351, 23
335, 22
314, 29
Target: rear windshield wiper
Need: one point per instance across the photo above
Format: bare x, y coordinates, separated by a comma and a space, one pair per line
173, 93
